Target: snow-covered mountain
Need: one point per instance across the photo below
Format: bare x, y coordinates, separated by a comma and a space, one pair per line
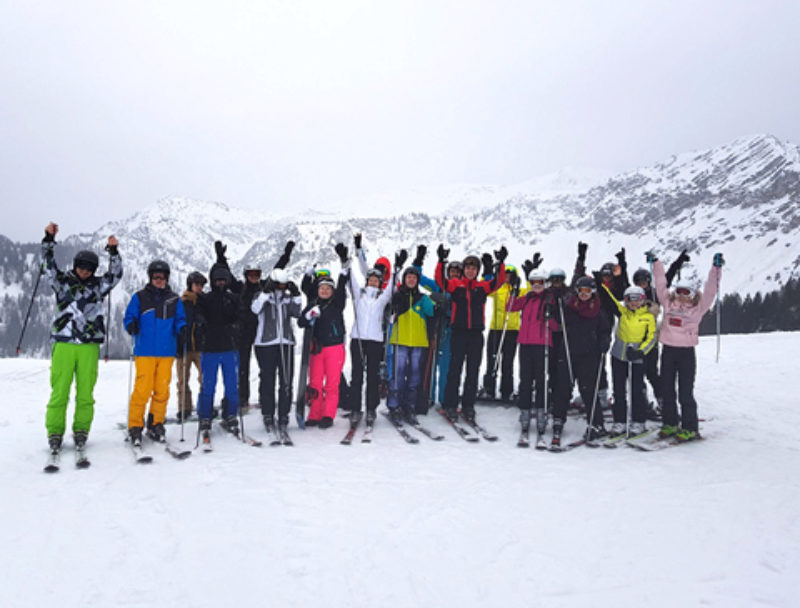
742, 198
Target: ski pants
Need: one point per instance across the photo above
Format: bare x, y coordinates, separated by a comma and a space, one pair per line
324, 375
681, 363
586, 367
406, 377
508, 353
439, 381
245, 348
153, 375
211, 363
466, 346
70, 361
373, 355
183, 366
651, 372
271, 360
559, 381
531, 376
619, 375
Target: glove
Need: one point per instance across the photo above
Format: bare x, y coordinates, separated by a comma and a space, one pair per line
292, 288
501, 254
650, 256
220, 249
527, 266
112, 249
604, 342
287, 250
548, 309
357, 240
582, 247
683, 258
719, 261
442, 253
620, 255
341, 251
133, 327
421, 252
488, 263
633, 354
269, 286
400, 258
313, 313
537, 260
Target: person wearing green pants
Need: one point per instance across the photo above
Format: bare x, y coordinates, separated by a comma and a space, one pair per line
76, 334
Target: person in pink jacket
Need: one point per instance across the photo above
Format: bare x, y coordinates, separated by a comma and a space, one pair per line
683, 309
531, 340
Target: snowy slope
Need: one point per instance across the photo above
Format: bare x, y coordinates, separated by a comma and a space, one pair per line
436, 524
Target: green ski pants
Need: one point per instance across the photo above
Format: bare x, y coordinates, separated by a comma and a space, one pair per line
68, 360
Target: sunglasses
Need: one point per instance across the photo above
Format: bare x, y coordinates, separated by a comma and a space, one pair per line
683, 291
158, 277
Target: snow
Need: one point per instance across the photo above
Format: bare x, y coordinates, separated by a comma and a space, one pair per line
390, 524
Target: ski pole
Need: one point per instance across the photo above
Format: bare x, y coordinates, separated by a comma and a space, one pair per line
596, 390
630, 400
30, 306
566, 344
719, 314
546, 364
108, 325
130, 390
184, 385
502, 337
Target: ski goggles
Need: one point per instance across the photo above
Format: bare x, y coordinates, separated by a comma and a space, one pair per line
634, 297
85, 266
683, 291
538, 282
322, 272
586, 290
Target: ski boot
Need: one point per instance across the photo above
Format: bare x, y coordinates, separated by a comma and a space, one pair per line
355, 418
156, 433
541, 421
135, 436
593, 433
558, 427
525, 419
371, 416
230, 424
685, 435
618, 428
468, 413
451, 413
410, 416
54, 441
395, 415
667, 430
326, 422
637, 428
79, 438
269, 424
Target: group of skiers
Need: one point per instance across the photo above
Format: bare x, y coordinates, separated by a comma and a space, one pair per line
416, 338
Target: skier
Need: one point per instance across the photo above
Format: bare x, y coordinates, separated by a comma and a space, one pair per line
325, 313
466, 342
589, 340
217, 316
76, 335
275, 306
189, 349
560, 384
409, 340
503, 326
367, 339
684, 307
536, 331
454, 271
635, 337
155, 318
643, 279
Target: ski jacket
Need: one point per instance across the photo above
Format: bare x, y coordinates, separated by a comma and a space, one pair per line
189, 300
370, 304
469, 297
160, 315
500, 300
532, 319
361, 256
217, 316
248, 321
636, 328
329, 326
589, 331
682, 320
79, 304
411, 308
274, 311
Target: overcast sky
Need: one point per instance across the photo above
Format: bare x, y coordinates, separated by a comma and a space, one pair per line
105, 107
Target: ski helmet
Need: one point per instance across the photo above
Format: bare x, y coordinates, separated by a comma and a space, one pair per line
537, 274
375, 272
684, 285
86, 260
607, 269
410, 270
511, 269
472, 260
642, 275
634, 293
251, 268
326, 280
158, 266
195, 277
557, 273
455, 265
586, 282
279, 275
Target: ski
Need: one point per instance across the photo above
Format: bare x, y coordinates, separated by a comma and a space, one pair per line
81, 461
633, 440
401, 429
238, 435
351, 432
176, 453
138, 453
426, 431
53, 462
566, 447
272, 435
205, 441
285, 438
465, 434
366, 437
661, 443
541, 442
480, 430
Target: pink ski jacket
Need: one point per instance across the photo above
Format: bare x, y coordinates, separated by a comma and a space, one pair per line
681, 321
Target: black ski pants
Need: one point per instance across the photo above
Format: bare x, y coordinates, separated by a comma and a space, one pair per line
681, 363
619, 375
371, 360
271, 360
651, 372
531, 376
466, 346
245, 348
509, 351
586, 367
559, 381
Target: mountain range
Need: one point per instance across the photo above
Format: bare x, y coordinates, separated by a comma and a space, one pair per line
741, 198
